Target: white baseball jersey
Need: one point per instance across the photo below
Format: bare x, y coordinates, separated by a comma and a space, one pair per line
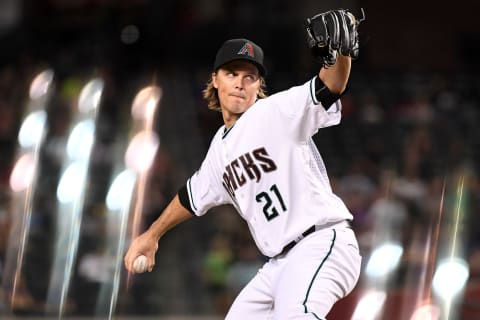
269, 168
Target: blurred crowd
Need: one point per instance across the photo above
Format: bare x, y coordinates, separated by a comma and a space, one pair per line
405, 158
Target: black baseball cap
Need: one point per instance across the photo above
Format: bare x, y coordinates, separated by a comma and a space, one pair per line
240, 49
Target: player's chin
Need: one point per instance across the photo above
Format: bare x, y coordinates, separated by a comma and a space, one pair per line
240, 106
236, 109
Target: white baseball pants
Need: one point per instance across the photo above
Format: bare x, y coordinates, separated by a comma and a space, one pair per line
305, 282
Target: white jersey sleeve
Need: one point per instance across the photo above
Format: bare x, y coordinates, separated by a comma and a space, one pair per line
303, 112
204, 187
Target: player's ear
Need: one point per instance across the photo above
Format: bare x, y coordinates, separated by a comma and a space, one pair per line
214, 80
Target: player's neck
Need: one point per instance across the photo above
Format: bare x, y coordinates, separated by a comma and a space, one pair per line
229, 119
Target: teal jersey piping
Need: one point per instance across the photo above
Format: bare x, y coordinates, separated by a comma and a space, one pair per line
226, 132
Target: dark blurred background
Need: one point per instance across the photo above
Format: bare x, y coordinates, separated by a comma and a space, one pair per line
410, 126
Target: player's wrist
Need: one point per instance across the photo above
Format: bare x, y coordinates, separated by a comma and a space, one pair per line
324, 95
154, 233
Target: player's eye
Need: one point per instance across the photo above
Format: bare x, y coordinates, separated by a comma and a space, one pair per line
228, 71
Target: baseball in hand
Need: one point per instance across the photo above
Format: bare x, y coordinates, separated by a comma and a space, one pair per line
140, 265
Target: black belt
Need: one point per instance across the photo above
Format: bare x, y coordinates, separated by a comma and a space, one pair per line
294, 242
309, 231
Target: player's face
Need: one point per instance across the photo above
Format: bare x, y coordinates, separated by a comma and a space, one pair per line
237, 84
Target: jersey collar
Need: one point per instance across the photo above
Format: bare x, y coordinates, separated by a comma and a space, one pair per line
226, 131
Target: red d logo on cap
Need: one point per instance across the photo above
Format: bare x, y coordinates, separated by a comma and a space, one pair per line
246, 49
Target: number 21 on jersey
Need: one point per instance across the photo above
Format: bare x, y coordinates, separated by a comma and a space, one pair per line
271, 200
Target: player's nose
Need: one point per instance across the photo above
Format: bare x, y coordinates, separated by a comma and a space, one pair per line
238, 83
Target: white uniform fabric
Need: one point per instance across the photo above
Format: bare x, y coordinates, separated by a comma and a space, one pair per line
274, 137
269, 168
306, 281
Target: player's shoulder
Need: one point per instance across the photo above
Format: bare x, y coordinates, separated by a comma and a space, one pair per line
215, 142
218, 136
220, 132
292, 89
286, 94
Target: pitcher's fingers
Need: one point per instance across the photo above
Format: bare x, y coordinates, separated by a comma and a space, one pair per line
151, 262
128, 261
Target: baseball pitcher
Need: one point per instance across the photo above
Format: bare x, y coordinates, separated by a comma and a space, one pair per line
264, 162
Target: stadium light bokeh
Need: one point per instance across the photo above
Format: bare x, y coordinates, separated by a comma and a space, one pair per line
129, 181
23, 172
71, 190
369, 305
384, 260
450, 278
32, 129
120, 191
141, 151
23, 182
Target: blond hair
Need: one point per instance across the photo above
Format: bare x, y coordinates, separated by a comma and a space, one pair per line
210, 94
